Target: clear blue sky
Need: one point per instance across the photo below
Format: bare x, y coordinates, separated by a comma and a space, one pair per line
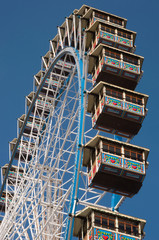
27, 26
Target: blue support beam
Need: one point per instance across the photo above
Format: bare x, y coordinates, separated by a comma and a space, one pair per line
79, 155
115, 198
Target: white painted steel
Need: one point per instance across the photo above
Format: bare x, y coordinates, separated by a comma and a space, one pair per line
39, 208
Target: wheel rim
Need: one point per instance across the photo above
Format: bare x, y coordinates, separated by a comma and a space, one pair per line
40, 208
52, 166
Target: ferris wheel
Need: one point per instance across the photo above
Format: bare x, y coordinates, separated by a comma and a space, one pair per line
50, 176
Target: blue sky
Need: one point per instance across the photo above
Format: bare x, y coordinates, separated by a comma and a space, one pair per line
27, 26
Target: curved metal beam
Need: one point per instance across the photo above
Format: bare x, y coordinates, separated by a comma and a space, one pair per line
59, 55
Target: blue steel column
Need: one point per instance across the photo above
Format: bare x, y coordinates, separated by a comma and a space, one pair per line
79, 155
115, 198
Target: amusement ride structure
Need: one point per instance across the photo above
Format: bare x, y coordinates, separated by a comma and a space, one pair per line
72, 154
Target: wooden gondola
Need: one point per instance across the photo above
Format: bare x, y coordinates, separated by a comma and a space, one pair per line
8, 196
115, 66
14, 174
42, 106
24, 151
33, 126
50, 85
100, 223
116, 110
115, 166
108, 34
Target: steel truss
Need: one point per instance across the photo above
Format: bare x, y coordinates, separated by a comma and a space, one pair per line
49, 146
